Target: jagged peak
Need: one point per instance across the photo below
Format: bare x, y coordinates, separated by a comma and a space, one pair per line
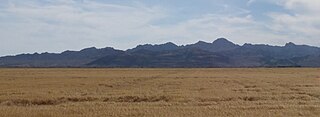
201, 42
155, 47
165, 44
90, 48
247, 44
108, 48
170, 43
290, 44
222, 41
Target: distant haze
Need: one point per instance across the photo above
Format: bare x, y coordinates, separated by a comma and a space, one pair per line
28, 26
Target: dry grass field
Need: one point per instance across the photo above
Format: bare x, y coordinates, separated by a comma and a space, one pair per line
159, 92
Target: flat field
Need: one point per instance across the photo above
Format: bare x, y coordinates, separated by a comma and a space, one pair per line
159, 92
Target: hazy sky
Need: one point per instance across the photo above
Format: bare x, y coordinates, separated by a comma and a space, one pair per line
28, 26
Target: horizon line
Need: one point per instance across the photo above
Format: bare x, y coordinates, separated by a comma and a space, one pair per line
157, 44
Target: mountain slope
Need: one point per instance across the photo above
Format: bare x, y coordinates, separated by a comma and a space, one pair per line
219, 53
157, 48
220, 44
64, 59
175, 58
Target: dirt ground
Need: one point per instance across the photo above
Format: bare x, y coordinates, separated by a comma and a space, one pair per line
160, 92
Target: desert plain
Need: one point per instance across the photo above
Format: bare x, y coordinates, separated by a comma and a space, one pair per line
205, 92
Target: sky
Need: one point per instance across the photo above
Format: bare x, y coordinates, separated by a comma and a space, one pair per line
28, 26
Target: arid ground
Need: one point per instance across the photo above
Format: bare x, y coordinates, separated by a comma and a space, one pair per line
160, 92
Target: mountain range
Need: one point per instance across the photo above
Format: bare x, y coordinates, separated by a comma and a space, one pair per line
219, 53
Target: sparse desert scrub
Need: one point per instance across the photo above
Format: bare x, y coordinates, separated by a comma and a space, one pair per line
160, 92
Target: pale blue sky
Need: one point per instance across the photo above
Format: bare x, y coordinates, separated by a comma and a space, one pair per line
28, 26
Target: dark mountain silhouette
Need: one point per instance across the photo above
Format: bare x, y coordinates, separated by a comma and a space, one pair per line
176, 58
219, 53
161, 47
220, 44
64, 59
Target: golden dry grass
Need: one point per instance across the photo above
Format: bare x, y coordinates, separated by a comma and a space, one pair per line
159, 92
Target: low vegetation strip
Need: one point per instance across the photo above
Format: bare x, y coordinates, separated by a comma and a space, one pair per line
160, 92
